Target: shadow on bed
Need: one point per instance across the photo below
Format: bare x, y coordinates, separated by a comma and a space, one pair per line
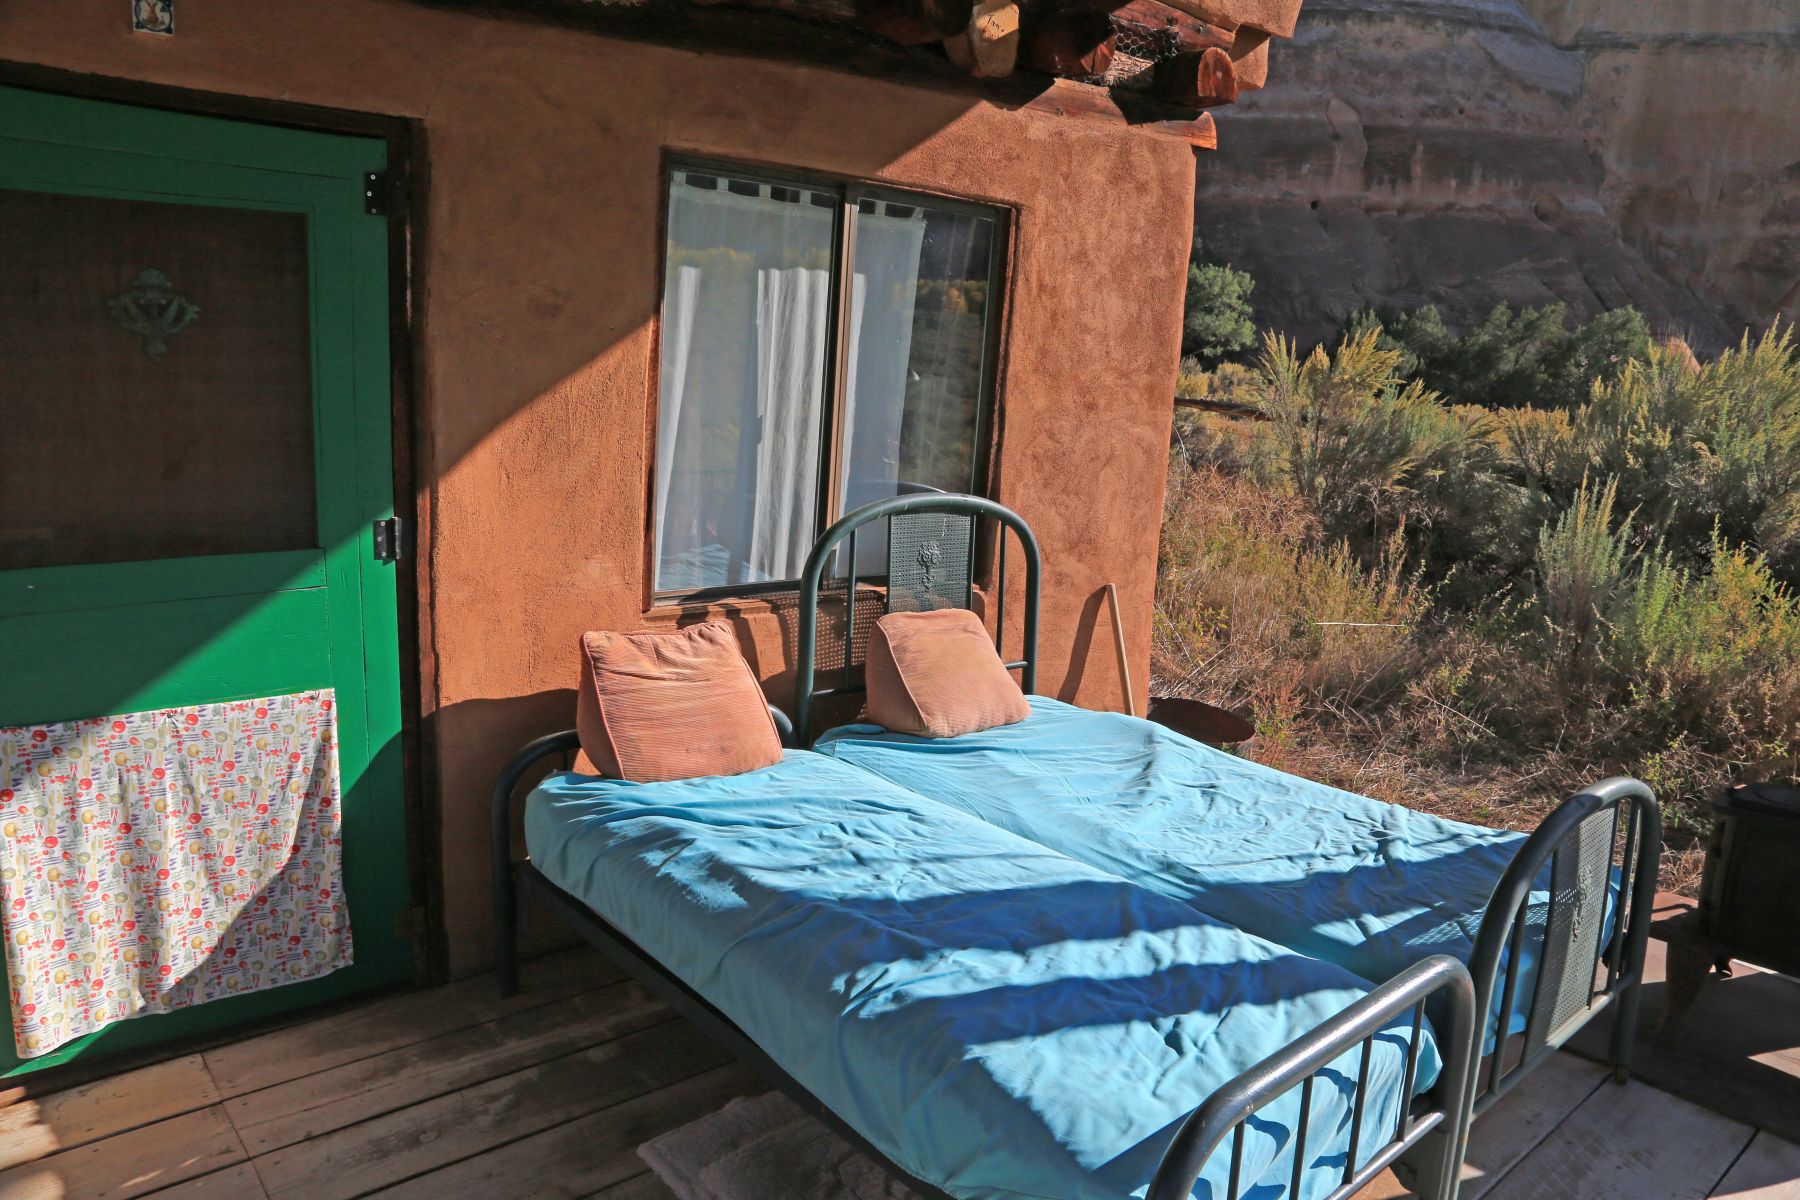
1163, 1008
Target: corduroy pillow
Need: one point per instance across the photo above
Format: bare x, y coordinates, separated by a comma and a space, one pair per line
937, 674
672, 705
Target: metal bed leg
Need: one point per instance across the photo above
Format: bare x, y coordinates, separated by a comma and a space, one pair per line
1432, 1166
1644, 845
508, 881
1624, 1031
506, 929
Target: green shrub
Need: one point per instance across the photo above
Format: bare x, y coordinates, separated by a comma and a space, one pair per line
1581, 564
1254, 608
1376, 456
1217, 320
1712, 658
1529, 358
1692, 448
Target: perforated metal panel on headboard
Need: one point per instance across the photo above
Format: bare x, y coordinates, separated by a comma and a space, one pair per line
1580, 884
930, 561
930, 564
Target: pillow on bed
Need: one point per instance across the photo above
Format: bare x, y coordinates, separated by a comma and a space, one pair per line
669, 705
937, 674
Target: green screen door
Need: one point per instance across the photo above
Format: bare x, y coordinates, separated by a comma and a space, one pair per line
194, 443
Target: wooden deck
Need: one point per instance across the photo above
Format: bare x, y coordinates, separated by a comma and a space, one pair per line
452, 1092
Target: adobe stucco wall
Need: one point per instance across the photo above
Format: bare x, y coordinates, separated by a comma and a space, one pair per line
541, 290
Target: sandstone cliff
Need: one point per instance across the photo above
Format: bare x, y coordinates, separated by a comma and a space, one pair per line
1467, 152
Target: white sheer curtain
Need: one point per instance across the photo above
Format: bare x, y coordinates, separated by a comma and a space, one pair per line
791, 309
745, 306
681, 299
747, 303
882, 299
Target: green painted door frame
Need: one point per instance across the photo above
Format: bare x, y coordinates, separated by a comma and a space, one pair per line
141, 635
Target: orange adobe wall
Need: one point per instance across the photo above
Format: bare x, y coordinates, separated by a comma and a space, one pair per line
540, 280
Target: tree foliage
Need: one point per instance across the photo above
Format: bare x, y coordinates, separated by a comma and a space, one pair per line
1524, 359
1217, 318
1603, 583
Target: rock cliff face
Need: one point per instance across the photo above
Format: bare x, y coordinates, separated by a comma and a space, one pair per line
1468, 152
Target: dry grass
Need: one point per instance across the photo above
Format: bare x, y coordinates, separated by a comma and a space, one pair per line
1254, 609
1477, 612
1350, 678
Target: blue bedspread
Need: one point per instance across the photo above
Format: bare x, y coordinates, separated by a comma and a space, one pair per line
999, 1019
1371, 887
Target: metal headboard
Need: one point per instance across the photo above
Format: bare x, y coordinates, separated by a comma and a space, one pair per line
930, 564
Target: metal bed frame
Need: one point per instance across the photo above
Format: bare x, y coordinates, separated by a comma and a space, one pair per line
1429, 1133
931, 555
932, 543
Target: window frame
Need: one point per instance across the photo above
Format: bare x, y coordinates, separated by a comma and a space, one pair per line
849, 190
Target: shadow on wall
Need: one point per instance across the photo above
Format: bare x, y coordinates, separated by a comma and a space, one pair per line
539, 280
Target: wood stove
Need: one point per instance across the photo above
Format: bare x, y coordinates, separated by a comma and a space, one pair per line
1750, 897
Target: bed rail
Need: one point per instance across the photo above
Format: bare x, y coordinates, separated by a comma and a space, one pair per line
1440, 1117
930, 563
509, 883
1429, 1134
1582, 966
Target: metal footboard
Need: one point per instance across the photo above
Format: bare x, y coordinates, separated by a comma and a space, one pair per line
1439, 1118
1428, 1135
1585, 963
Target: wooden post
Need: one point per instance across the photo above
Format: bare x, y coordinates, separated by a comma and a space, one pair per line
1118, 624
1188, 33
1197, 80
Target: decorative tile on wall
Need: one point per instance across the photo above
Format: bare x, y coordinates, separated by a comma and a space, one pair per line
153, 16
156, 860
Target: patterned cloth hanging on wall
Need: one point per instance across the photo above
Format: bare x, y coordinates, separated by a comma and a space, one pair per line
157, 860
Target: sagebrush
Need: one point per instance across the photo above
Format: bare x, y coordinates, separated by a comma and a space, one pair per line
1478, 609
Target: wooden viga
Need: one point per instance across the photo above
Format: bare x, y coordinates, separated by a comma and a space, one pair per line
1162, 61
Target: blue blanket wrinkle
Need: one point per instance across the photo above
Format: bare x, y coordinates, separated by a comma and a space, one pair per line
999, 1019
1369, 886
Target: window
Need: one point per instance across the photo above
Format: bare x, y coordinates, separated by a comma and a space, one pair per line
823, 346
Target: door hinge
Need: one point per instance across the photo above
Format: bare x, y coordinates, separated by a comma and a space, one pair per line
409, 923
381, 193
390, 539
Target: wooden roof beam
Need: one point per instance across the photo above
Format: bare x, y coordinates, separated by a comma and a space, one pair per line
1201, 80
1276, 17
1073, 42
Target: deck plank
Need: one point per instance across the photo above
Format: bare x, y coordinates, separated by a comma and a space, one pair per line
1736, 1051
593, 1152
331, 1099
238, 1182
1509, 1131
135, 1163
34, 1128
388, 1149
1520, 1120
1768, 1170
401, 1019
1628, 1143
647, 1186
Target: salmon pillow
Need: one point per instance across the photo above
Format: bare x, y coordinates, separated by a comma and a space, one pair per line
937, 674
672, 705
